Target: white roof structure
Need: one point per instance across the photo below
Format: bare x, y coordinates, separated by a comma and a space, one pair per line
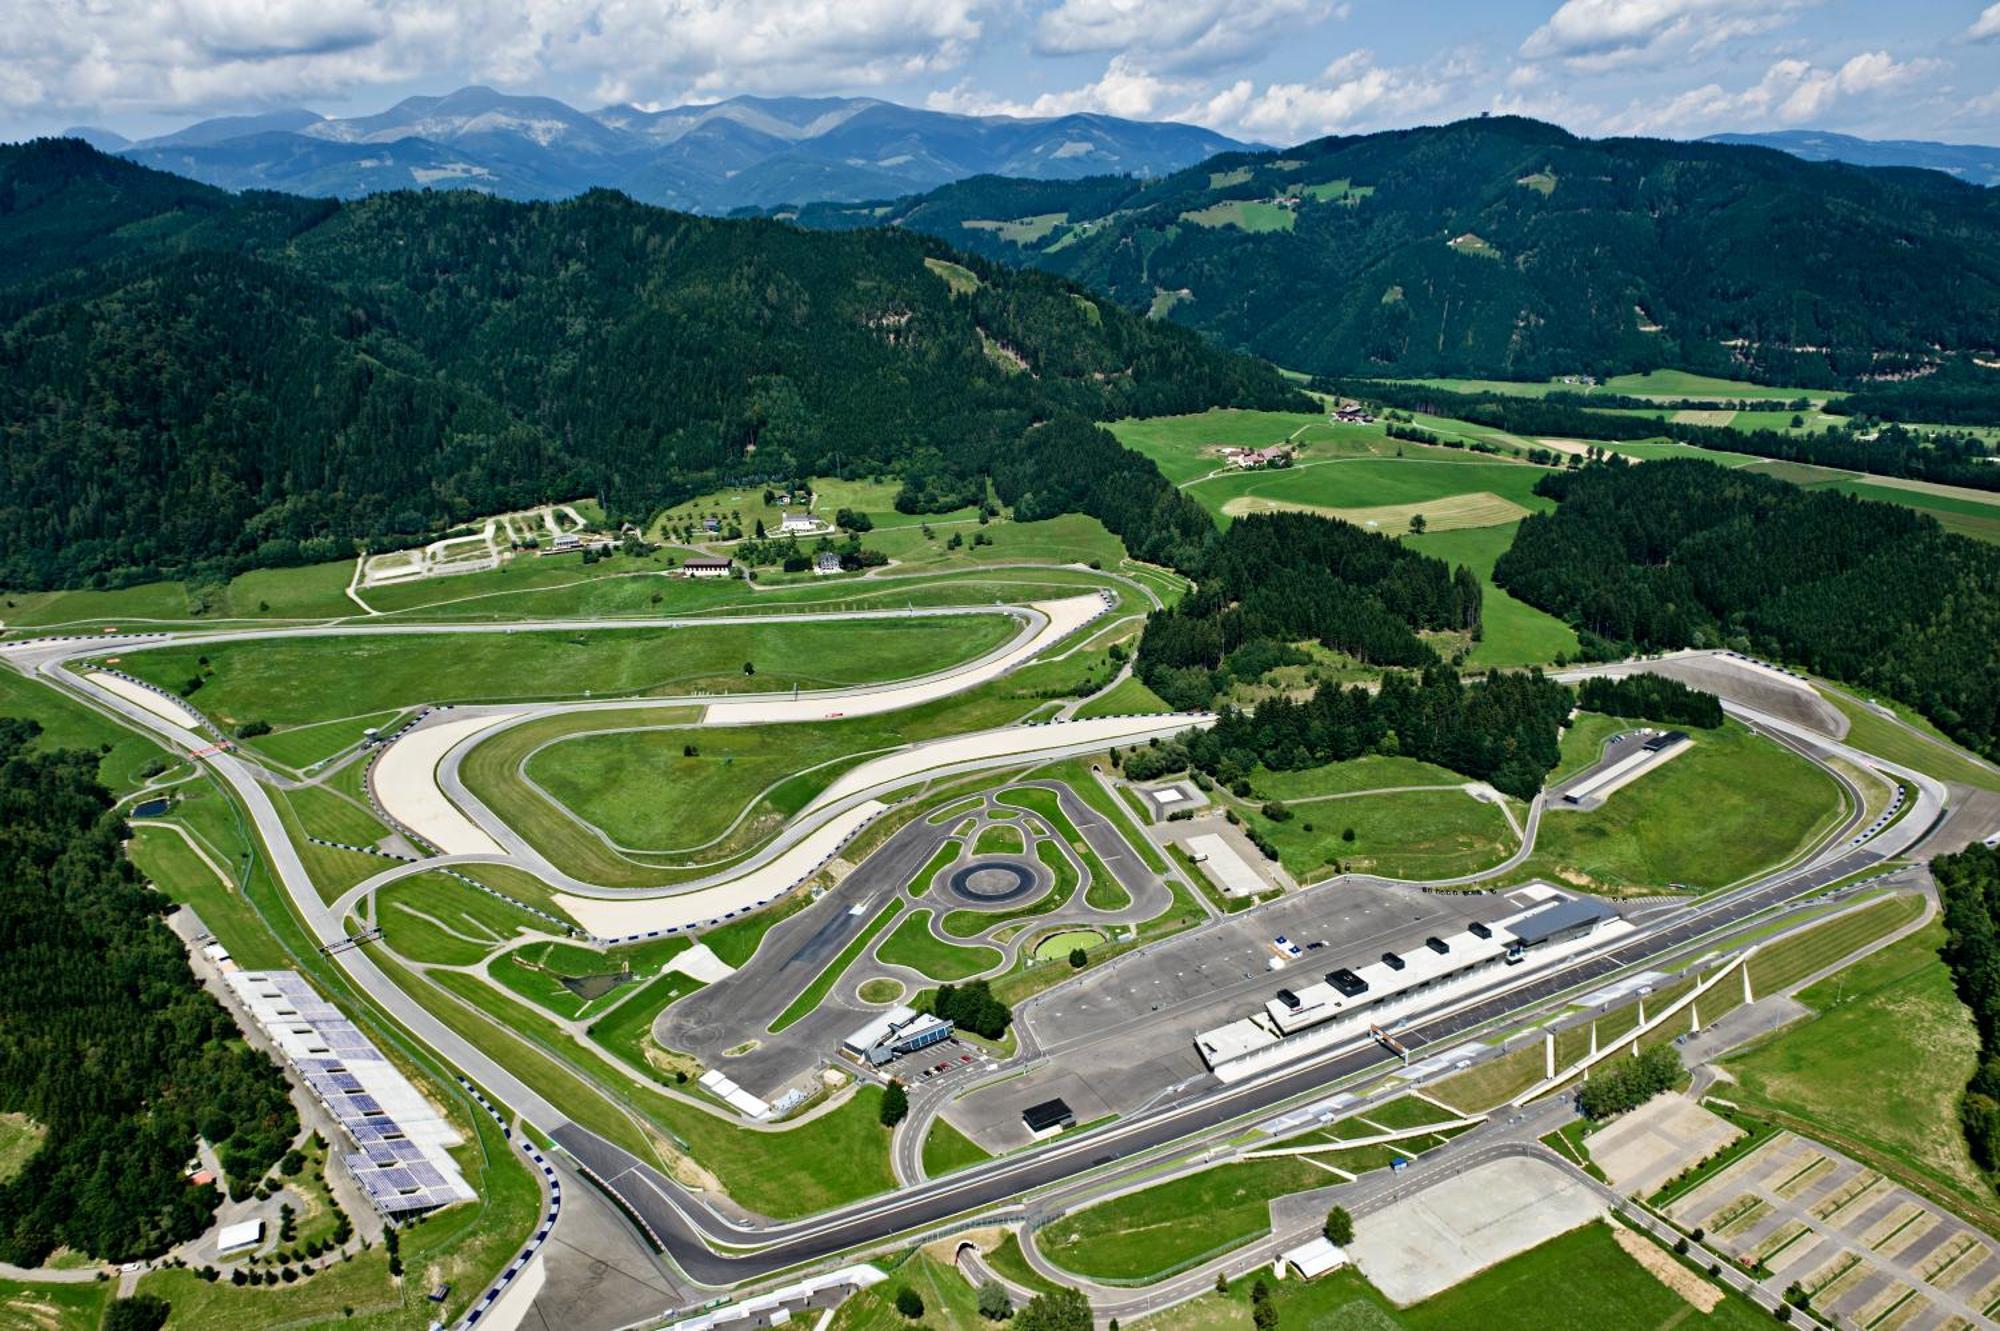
402, 1157
1225, 868
879, 1026
1315, 1258
727, 1091
235, 1238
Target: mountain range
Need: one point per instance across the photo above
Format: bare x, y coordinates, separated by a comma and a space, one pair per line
195, 381
1501, 246
1968, 161
743, 152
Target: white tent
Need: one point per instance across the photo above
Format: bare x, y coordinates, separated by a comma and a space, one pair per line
1315, 1258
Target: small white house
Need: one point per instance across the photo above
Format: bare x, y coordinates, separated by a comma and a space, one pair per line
701, 567
825, 562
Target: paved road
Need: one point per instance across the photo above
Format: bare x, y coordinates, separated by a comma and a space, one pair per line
689, 1227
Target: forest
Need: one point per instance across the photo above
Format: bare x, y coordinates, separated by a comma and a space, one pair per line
192, 381
1502, 246
1969, 889
1278, 578
1683, 553
1651, 697
107, 1040
1505, 728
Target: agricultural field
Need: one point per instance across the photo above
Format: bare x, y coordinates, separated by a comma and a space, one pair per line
1878, 1067
1668, 384
1735, 805
1244, 215
1462, 492
1512, 632
1974, 513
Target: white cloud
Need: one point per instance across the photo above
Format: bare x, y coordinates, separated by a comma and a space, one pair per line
1122, 90
1177, 35
192, 54
1986, 27
1791, 92
1592, 36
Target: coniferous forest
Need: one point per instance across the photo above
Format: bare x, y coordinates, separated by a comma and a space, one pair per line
106, 1039
1687, 554
193, 380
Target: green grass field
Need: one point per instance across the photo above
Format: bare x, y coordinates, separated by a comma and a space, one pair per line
1413, 835
1381, 483
946, 1149
1513, 633
70, 725
1734, 805
313, 591
1128, 697
1580, 1279
626, 1029
1174, 1224
431, 917
1184, 447
1879, 1067
913, 945
999, 839
1307, 785
20, 1138
290, 682
1974, 513
536, 972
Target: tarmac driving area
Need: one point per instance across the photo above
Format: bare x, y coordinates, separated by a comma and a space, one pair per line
1121, 1036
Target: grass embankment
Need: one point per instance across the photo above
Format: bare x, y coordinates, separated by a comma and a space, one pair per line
296, 682
946, 1149
946, 855
1173, 1225
1735, 805
1411, 834
1878, 1069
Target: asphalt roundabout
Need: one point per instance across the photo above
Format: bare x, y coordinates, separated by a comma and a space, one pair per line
990, 882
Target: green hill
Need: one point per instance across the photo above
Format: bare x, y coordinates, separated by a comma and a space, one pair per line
195, 380
1511, 248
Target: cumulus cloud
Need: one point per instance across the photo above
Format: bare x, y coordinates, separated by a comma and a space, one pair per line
190, 54
1177, 35
1122, 90
1985, 28
1592, 36
1791, 92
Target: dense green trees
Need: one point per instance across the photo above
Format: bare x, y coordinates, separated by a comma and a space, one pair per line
1652, 698
972, 1007
106, 1039
1687, 554
1969, 889
1505, 728
1279, 578
1622, 1083
278, 380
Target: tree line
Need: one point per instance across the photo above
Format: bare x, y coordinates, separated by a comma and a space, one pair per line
1680, 554
107, 1040
1969, 890
1651, 698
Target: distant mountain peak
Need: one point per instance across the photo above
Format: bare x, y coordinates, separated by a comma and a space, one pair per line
1975, 163
743, 151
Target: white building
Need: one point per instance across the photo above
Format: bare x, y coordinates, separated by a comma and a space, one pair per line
1314, 1259
798, 523
701, 567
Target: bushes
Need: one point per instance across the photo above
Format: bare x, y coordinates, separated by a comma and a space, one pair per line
1618, 1084
895, 1105
973, 1007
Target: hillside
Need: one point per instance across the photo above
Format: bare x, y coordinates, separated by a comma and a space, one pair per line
190, 379
709, 158
1506, 247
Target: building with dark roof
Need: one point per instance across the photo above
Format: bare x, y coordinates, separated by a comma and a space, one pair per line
1050, 1116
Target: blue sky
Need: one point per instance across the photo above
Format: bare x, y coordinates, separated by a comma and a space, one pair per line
1273, 70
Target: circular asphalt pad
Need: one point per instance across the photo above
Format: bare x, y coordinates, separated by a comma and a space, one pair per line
992, 882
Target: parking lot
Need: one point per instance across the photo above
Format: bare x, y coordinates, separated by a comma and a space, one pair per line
1121, 1036
1869, 1253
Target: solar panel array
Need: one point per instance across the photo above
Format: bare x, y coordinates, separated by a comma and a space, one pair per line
401, 1157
